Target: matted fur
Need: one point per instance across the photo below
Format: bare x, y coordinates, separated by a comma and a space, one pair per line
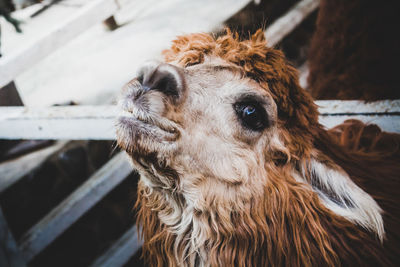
279, 218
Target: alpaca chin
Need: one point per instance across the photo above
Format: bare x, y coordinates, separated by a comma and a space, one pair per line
342, 196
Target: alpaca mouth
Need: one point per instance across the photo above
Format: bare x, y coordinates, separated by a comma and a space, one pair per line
156, 128
139, 132
142, 127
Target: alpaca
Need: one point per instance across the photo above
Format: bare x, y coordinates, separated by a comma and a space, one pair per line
237, 171
354, 52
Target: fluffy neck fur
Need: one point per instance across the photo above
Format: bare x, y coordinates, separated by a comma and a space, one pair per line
296, 222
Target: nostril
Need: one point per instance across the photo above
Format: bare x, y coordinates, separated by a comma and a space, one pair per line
165, 78
165, 83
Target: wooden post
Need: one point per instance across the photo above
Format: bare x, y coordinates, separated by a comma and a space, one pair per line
75, 205
288, 22
121, 251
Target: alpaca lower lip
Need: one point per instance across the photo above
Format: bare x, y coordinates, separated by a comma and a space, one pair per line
139, 125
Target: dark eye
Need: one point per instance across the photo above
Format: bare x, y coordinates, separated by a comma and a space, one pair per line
252, 115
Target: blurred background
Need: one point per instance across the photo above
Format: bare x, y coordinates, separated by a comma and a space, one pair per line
81, 52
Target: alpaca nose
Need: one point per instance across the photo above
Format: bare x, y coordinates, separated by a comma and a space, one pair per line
165, 78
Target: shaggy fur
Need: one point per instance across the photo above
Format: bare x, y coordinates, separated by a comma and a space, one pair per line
297, 193
355, 52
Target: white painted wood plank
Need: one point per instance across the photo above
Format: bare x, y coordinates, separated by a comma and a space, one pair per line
15, 63
74, 206
67, 122
57, 112
12, 170
288, 22
356, 106
121, 251
386, 123
98, 122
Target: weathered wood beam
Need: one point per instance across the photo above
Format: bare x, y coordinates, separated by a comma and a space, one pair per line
13, 170
91, 13
121, 251
74, 206
386, 114
389, 123
358, 107
98, 122
288, 22
61, 122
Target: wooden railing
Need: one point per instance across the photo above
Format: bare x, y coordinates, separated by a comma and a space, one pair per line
67, 122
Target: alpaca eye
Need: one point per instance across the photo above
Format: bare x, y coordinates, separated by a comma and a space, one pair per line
252, 116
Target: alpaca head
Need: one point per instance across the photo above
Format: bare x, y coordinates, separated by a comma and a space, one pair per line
212, 116
224, 138
206, 125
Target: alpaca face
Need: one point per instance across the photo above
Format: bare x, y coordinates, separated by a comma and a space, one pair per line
206, 132
206, 126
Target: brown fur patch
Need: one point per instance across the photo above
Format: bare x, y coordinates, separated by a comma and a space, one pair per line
355, 52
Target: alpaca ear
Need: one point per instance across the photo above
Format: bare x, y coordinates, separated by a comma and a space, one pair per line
342, 196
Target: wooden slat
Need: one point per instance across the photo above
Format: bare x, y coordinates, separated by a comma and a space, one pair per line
288, 22
10, 255
121, 251
15, 63
386, 123
23, 148
98, 122
74, 206
385, 113
12, 170
63, 122
334, 107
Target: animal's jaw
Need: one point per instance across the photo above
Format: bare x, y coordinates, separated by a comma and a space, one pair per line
141, 129
149, 146
145, 131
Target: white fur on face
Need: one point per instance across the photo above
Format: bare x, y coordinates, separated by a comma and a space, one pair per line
217, 153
